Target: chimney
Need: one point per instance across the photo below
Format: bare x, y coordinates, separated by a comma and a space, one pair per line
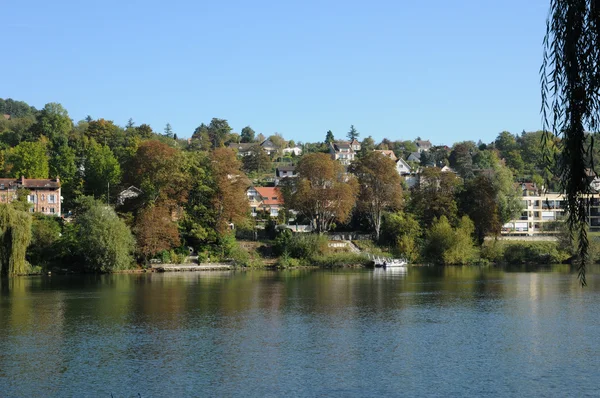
22, 182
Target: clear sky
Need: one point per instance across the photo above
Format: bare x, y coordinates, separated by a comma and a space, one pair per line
443, 70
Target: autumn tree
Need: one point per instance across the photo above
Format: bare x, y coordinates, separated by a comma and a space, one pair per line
322, 192
217, 196
380, 187
155, 231
158, 170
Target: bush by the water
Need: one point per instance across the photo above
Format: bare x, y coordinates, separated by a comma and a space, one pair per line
520, 252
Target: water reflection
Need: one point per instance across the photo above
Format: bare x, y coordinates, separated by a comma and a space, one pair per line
419, 331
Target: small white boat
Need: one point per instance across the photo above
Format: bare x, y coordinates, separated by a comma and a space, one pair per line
389, 262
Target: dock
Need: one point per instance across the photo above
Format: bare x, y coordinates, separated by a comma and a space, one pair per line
190, 267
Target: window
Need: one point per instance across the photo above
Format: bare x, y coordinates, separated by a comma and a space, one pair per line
51, 198
43, 197
52, 210
31, 209
31, 198
274, 197
43, 209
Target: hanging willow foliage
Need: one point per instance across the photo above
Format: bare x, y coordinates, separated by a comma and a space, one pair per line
570, 79
15, 236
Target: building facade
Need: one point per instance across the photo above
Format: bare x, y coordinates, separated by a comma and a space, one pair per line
44, 194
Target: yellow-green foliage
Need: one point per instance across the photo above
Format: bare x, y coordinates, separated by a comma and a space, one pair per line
446, 245
15, 236
518, 252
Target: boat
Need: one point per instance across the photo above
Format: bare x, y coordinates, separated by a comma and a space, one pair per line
383, 262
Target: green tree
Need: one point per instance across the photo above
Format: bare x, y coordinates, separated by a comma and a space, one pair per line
445, 245
247, 134
105, 241
329, 138
53, 122
102, 170
478, 200
15, 236
352, 134
257, 160
367, 145
433, 197
218, 132
461, 160
168, 131
28, 159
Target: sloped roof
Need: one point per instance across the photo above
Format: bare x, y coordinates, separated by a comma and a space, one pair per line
387, 152
243, 146
30, 183
423, 143
337, 145
268, 193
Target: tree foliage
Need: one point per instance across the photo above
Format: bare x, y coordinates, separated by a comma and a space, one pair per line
323, 192
570, 79
104, 241
28, 159
380, 187
15, 236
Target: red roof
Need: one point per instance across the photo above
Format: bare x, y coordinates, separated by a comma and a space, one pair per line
270, 196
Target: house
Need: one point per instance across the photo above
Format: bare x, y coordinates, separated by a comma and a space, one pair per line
243, 149
422, 145
402, 167
129, 193
342, 151
269, 146
282, 172
414, 157
296, 151
387, 153
265, 199
355, 145
44, 194
447, 169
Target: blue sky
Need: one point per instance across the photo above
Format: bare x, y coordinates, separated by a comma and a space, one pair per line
447, 71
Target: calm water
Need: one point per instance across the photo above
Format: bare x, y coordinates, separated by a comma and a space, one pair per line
457, 331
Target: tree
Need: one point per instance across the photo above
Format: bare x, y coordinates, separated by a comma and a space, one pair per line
433, 197
158, 170
257, 160
403, 230
329, 137
247, 135
168, 131
155, 231
352, 134
53, 122
102, 170
445, 245
218, 132
367, 145
130, 123
461, 160
380, 187
478, 201
105, 242
323, 193
28, 159
15, 236
144, 131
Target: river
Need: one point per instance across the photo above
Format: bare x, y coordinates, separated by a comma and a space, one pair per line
453, 331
